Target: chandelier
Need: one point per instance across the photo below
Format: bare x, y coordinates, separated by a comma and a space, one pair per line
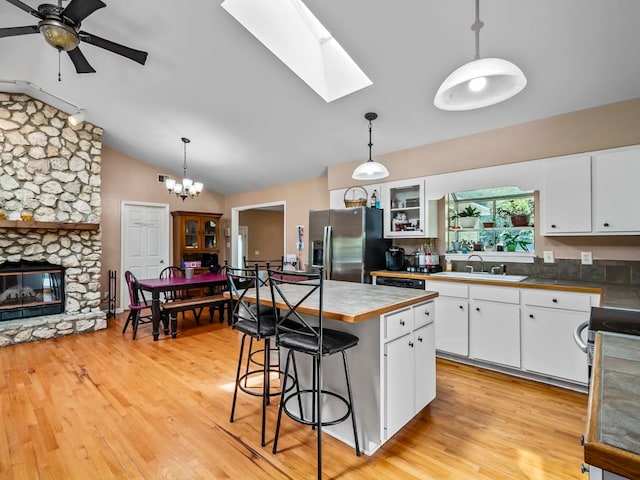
188, 188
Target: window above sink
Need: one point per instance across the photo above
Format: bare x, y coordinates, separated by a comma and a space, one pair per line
496, 221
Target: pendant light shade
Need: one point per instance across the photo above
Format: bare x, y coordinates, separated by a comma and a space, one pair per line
480, 83
370, 170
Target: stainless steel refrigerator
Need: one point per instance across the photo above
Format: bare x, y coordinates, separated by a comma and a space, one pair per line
347, 242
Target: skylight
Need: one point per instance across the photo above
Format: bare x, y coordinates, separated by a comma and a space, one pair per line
302, 43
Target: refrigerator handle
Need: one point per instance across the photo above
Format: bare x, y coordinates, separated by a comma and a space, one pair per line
326, 252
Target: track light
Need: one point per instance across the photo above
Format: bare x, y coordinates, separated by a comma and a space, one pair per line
77, 118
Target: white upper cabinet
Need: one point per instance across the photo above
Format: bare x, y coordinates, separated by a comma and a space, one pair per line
591, 194
615, 180
566, 195
406, 210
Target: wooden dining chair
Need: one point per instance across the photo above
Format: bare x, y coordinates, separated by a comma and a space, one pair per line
139, 310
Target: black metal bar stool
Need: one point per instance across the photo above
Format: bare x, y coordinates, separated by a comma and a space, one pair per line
305, 334
256, 322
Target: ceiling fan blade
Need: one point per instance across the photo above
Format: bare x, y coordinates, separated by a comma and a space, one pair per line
135, 55
78, 10
80, 61
13, 31
26, 8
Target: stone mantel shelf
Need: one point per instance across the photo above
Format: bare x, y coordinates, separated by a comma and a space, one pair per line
34, 225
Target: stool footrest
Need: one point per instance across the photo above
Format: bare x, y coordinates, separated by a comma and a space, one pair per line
300, 418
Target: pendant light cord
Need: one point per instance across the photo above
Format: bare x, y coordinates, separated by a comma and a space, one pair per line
476, 27
370, 144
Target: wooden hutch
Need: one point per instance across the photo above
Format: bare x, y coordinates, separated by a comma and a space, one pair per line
196, 238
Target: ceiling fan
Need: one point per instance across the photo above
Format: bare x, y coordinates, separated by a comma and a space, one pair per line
60, 27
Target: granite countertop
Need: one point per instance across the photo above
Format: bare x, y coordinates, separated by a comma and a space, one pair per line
612, 441
352, 302
612, 295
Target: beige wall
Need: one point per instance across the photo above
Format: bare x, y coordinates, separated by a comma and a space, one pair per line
125, 178
299, 198
602, 127
607, 126
266, 233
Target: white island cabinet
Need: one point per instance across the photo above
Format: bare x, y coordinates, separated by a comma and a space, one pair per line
379, 316
410, 364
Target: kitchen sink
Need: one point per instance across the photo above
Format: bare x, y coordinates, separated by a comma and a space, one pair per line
485, 276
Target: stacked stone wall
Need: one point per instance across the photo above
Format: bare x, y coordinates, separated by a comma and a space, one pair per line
51, 171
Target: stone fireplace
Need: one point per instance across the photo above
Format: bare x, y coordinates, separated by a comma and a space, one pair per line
50, 198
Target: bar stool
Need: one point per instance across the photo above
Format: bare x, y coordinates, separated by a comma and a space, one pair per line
256, 324
305, 334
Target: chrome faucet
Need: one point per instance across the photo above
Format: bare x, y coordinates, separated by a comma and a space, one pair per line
481, 262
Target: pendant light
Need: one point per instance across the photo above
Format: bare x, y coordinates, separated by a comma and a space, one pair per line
480, 83
186, 189
370, 170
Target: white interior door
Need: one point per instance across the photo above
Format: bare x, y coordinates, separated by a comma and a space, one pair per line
145, 242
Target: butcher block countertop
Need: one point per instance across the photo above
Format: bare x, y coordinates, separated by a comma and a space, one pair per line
612, 441
354, 302
611, 295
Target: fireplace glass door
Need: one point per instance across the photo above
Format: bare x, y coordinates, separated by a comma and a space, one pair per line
30, 289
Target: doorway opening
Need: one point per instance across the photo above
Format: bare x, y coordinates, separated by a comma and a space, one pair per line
258, 232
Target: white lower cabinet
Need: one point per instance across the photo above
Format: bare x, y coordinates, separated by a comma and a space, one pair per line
548, 322
494, 325
409, 365
527, 329
452, 317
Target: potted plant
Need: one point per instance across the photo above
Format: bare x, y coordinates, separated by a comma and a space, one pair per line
467, 217
519, 210
513, 240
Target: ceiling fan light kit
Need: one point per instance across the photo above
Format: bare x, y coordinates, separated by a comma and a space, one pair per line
480, 83
370, 170
60, 28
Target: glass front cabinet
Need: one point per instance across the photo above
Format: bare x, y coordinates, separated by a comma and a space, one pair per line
196, 237
407, 213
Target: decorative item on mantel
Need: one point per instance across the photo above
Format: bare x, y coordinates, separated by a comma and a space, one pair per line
186, 189
370, 170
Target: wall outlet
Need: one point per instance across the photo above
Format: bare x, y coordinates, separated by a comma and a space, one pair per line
548, 256
256, 252
586, 258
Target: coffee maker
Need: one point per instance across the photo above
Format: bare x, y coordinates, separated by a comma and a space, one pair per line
394, 257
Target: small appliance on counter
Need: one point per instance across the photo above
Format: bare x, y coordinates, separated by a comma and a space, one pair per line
394, 258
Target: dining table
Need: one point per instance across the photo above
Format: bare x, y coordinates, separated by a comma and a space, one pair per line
156, 286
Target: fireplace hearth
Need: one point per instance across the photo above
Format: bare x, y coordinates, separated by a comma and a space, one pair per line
30, 289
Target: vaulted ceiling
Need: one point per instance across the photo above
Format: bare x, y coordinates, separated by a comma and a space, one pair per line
253, 123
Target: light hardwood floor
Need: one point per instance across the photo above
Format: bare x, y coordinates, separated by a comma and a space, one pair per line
101, 406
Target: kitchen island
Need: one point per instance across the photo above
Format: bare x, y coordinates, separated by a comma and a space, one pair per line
392, 368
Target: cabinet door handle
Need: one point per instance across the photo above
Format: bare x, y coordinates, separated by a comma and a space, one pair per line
531, 315
460, 307
411, 344
420, 339
553, 225
555, 300
426, 313
605, 224
402, 322
477, 309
